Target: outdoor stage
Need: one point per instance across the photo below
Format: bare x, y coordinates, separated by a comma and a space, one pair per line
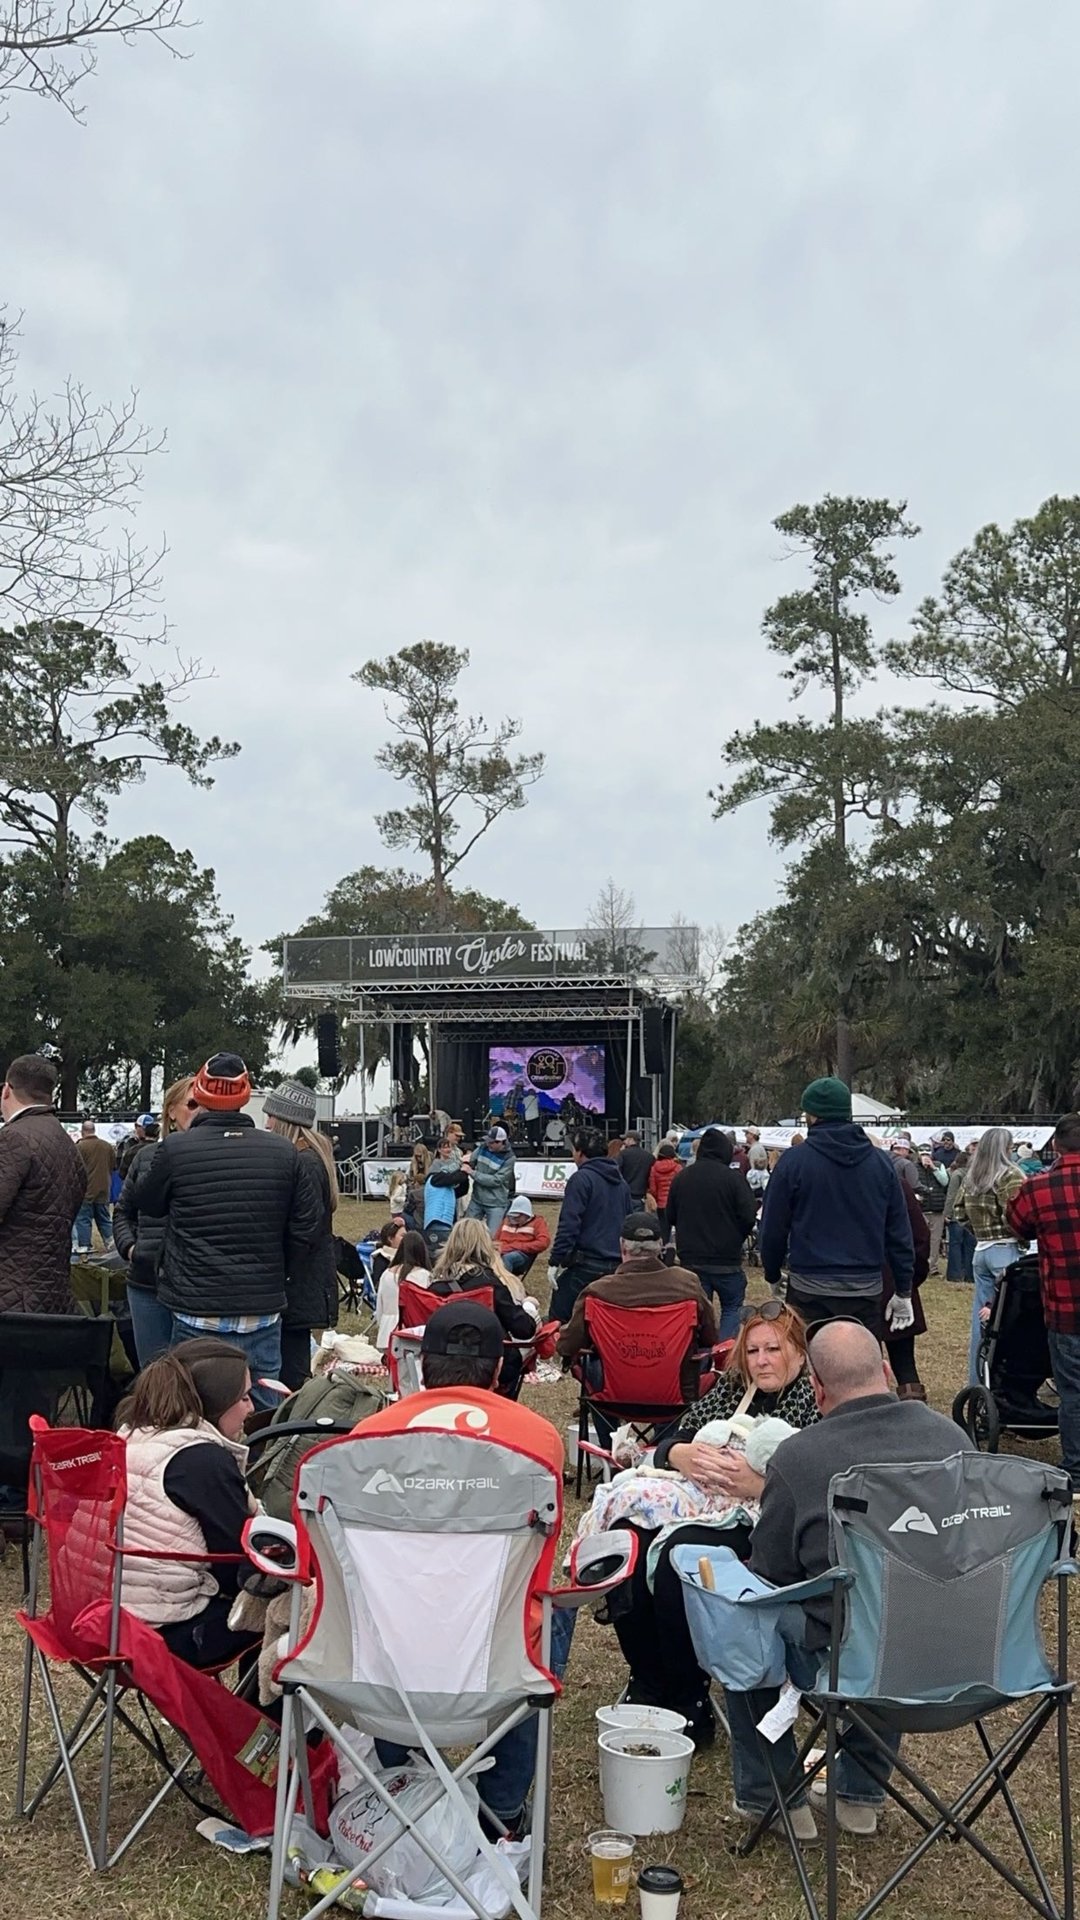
539, 1012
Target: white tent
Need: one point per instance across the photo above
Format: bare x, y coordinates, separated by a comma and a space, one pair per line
865, 1110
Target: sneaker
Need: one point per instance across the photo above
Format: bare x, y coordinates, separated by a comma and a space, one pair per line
853, 1816
803, 1823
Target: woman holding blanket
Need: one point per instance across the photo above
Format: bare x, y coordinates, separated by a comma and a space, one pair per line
702, 1493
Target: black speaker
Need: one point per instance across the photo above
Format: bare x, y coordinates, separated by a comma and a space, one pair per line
326, 1033
641, 1099
402, 1062
652, 1036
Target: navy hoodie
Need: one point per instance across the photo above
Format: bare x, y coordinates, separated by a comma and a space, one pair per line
833, 1210
595, 1204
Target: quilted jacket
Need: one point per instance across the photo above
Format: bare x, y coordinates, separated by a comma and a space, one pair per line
236, 1207
139, 1236
311, 1290
42, 1183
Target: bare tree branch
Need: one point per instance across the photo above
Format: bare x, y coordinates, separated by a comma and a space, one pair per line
49, 47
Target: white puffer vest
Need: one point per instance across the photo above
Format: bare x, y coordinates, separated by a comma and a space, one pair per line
161, 1591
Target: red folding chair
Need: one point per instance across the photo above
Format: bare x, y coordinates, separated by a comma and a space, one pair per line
631, 1367
78, 1486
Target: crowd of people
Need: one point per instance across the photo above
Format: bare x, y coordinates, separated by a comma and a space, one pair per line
232, 1272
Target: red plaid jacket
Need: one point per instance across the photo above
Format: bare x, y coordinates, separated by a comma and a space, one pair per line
1047, 1209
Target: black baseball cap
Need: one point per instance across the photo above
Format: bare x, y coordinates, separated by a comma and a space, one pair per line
641, 1227
462, 1328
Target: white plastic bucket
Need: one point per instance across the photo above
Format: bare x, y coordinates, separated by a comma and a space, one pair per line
659, 1719
644, 1793
572, 1445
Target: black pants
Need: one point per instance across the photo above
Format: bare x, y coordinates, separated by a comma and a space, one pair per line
207, 1640
900, 1348
295, 1356
865, 1307
651, 1625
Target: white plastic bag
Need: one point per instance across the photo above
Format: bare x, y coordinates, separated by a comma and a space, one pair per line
360, 1820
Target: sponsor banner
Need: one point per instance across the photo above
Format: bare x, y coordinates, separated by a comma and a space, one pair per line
540, 1179
540, 954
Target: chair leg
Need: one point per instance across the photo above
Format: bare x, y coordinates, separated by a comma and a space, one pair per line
541, 1794
106, 1770
65, 1761
282, 1807
582, 1434
831, 1759
24, 1730
1065, 1794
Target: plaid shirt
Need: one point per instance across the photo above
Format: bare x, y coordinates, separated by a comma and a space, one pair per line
1047, 1209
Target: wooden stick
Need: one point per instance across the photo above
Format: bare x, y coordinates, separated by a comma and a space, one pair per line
705, 1574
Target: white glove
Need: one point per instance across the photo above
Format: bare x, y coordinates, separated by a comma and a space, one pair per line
555, 1275
900, 1313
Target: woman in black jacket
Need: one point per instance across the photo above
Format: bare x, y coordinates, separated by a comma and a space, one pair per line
469, 1260
139, 1236
311, 1288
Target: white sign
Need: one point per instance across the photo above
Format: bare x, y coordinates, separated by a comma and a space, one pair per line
540, 1179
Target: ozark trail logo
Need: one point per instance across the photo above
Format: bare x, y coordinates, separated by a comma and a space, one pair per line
383, 1482
913, 1520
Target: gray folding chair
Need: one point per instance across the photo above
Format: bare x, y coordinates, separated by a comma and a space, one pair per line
935, 1592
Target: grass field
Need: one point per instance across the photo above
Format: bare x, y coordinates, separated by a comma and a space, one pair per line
172, 1875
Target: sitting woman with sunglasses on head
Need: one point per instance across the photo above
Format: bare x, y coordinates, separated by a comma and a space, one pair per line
764, 1391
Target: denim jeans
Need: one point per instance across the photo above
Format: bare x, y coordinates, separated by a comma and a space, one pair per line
92, 1213
860, 1768
517, 1262
151, 1323
1065, 1360
727, 1285
989, 1261
961, 1251
492, 1217
262, 1348
570, 1283
504, 1788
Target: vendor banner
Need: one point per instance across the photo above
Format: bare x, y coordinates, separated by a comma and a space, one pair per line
540, 1179
566, 953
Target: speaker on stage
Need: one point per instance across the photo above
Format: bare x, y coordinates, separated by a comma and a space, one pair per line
326, 1033
652, 1039
402, 1063
640, 1097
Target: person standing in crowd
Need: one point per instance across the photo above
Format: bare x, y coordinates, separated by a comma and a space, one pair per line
635, 1164
757, 1173
711, 1211
834, 1216
933, 1180
946, 1151
1047, 1209
494, 1175
445, 1185
903, 1152
522, 1237
961, 1241
900, 1347
530, 1108
42, 1182
146, 1129
990, 1183
236, 1203
406, 1194
311, 1289
1027, 1159
664, 1168
740, 1158
140, 1236
589, 1233
642, 1280
99, 1160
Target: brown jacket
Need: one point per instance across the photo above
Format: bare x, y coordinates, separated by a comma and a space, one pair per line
99, 1159
42, 1183
644, 1281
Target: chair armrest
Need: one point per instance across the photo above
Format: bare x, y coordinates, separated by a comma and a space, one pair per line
288, 1429
273, 1547
598, 1563
598, 1453
1063, 1569
816, 1589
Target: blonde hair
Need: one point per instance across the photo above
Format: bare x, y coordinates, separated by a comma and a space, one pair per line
307, 1139
172, 1097
420, 1164
469, 1244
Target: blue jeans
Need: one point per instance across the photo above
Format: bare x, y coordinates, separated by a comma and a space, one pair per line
262, 1348
492, 1217
728, 1286
961, 1252
151, 1324
573, 1278
92, 1213
504, 1788
516, 1262
989, 1261
1065, 1360
860, 1768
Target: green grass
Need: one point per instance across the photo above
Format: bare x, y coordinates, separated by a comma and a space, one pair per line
172, 1875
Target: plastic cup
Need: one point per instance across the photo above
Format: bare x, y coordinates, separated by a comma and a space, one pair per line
611, 1854
659, 1891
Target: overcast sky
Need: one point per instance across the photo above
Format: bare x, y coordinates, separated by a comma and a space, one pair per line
513, 324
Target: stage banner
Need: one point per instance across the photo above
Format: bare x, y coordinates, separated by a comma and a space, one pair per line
342, 962
540, 1179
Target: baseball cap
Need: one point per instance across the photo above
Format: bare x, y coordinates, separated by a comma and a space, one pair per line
497, 1133
147, 1120
641, 1228
466, 1329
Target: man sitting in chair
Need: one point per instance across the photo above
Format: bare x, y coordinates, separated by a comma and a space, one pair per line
460, 1358
642, 1280
860, 1420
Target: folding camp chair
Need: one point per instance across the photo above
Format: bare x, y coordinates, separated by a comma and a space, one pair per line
935, 1626
77, 1492
415, 1308
45, 1360
631, 1369
432, 1552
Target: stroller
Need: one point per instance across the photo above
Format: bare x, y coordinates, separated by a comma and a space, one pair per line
1013, 1365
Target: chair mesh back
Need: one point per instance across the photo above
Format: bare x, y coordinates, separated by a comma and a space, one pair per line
642, 1350
83, 1483
949, 1558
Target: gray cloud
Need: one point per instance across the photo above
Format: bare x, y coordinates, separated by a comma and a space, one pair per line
514, 326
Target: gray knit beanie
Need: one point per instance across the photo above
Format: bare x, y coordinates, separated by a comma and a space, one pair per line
291, 1101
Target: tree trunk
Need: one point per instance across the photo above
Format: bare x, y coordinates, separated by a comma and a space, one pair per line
843, 1029
146, 1071
844, 1058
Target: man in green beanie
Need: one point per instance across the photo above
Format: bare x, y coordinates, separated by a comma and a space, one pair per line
834, 1217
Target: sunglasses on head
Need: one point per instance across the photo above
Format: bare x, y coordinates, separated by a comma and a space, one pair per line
767, 1310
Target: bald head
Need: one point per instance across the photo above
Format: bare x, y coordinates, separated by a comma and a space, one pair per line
846, 1362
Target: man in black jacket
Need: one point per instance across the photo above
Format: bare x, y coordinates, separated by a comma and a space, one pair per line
235, 1205
635, 1165
712, 1210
